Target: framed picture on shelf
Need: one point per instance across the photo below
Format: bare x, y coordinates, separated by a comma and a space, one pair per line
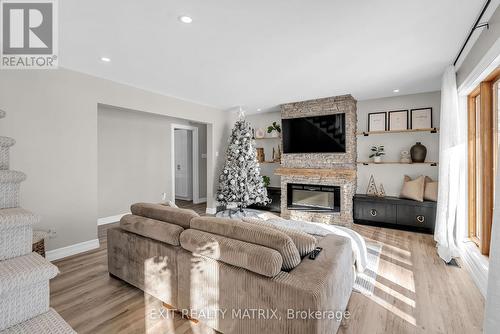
398, 120
421, 118
377, 121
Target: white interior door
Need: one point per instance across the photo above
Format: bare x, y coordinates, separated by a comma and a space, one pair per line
183, 164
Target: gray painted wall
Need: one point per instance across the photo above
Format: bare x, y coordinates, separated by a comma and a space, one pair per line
485, 41
53, 116
134, 163
390, 175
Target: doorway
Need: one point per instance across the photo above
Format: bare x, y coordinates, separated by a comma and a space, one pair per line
185, 180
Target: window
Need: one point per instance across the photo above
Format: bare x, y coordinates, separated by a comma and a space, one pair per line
483, 149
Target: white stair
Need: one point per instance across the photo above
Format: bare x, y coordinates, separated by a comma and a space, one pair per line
5, 144
46, 323
16, 235
10, 183
24, 276
24, 288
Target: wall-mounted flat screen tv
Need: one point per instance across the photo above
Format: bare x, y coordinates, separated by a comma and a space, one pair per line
317, 134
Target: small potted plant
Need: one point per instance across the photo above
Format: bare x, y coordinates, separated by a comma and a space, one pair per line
274, 130
377, 152
267, 180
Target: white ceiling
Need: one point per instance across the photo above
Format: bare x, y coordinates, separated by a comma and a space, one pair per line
261, 53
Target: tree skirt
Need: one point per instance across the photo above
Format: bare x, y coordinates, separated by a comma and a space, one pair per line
237, 214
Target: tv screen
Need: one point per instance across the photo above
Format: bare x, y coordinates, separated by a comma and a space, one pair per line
318, 134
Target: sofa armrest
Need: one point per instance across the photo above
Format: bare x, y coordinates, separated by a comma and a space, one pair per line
335, 258
325, 283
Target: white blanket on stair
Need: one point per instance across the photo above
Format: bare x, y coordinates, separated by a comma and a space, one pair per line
359, 249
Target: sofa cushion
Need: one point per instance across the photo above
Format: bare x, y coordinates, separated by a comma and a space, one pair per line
256, 258
255, 234
304, 242
176, 216
154, 229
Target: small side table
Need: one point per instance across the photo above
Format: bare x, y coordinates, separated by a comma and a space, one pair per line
39, 242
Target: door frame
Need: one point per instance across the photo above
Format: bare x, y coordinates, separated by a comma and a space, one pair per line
196, 186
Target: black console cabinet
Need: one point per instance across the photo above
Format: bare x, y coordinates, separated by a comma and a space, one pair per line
395, 212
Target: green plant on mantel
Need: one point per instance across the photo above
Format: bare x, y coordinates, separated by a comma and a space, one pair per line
267, 180
275, 127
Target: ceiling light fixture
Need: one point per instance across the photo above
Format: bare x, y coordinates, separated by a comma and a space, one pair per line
396, 91
105, 59
258, 109
185, 19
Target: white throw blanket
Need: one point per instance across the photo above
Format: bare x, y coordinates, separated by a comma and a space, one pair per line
359, 249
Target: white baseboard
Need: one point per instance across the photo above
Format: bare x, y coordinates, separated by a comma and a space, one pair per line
182, 198
211, 211
201, 200
476, 264
63, 252
110, 219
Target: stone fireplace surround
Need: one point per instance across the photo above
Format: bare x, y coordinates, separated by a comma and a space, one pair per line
328, 169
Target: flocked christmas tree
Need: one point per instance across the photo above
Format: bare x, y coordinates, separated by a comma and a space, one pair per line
240, 182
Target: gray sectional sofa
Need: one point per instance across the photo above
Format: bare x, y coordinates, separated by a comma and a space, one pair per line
234, 276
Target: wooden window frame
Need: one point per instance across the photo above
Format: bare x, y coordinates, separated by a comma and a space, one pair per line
488, 138
472, 172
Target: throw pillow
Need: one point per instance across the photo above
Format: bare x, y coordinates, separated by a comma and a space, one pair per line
413, 189
431, 190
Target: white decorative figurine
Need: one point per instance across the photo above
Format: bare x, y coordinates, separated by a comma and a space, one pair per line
405, 157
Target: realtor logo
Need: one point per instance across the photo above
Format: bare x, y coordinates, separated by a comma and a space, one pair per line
28, 34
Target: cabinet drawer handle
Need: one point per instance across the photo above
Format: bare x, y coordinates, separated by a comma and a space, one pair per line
420, 218
373, 212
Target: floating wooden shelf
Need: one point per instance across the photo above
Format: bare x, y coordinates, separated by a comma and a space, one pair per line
265, 138
270, 162
368, 133
366, 163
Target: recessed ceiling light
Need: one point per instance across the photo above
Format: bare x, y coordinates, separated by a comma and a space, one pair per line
258, 109
105, 59
185, 19
396, 91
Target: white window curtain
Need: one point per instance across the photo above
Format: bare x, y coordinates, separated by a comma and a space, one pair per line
451, 170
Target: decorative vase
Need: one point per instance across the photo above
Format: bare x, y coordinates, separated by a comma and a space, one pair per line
418, 152
377, 159
259, 133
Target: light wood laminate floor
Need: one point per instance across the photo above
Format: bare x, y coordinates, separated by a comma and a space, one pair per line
415, 293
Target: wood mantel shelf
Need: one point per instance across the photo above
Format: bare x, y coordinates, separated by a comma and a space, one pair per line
368, 133
316, 172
